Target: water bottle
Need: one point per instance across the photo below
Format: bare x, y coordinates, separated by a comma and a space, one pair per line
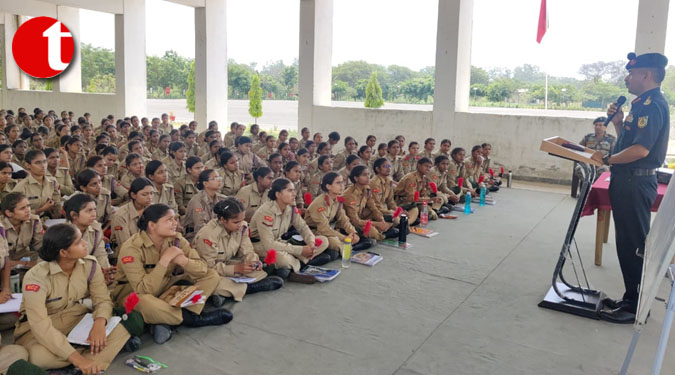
508, 179
15, 281
482, 196
347, 253
467, 203
403, 229
424, 216
108, 250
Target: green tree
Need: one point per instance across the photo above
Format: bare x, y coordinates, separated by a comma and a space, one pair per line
418, 89
190, 93
104, 83
289, 77
340, 90
373, 93
95, 61
255, 99
479, 76
239, 79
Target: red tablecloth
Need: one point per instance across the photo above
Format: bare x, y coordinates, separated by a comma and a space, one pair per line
599, 196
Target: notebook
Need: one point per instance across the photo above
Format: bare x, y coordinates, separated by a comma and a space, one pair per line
13, 305
80, 333
367, 258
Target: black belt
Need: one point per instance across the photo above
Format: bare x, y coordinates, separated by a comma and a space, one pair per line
634, 171
122, 282
254, 240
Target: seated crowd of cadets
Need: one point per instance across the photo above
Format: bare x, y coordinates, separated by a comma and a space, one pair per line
199, 207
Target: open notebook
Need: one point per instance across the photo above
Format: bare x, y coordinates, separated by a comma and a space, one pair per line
80, 333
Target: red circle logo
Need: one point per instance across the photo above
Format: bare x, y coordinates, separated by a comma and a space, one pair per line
43, 47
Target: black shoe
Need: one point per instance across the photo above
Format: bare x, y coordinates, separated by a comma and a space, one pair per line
283, 272
443, 210
614, 304
133, 344
365, 243
217, 301
211, 318
161, 333
301, 278
391, 233
332, 253
265, 285
619, 316
493, 188
319, 260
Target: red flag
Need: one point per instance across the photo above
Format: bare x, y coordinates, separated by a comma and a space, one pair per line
271, 257
543, 21
398, 211
307, 197
434, 187
501, 170
317, 242
460, 182
416, 196
366, 228
492, 172
481, 179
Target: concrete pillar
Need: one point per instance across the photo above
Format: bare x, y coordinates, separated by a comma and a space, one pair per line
13, 77
652, 23
453, 62
211, 64
71, 79
315, 57
130, 69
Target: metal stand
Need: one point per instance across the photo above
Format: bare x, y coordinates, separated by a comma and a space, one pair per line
562, 295
665, 332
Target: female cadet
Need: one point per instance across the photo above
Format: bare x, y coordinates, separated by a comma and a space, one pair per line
51, 308
365, 152
293, 173
89, 182
118, 194
76, 158
124, 221
81, 211
458, 169
134, 163
57, 167
382, 188
394, 149
284, 149
233, 178
409, 162
43, 192
351, 162
272, 220
162, 150
474, 166
341, 158
444, 180
175, 163
360, 206
254, 195
200, 208
156, 258
276, 164
6, 181
8, 353
186, 186
225, 246
413, 182
327, 216
325, 165
23, 231
156, 172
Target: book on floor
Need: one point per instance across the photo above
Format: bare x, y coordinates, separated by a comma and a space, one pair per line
183, 296
242, 280
79, 334
396, 244
367, 258
424, 232
320, 274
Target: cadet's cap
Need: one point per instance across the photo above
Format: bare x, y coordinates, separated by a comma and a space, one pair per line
647, 60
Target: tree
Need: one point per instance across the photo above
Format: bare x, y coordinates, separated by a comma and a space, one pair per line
479, 76
104, 83
373, 93
190, 93
595, 71
529, 74
255, 99
239, 79
289, 77
95, 61
339, 89
418, 89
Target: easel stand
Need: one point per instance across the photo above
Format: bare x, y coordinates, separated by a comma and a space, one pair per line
564, 296
665, 332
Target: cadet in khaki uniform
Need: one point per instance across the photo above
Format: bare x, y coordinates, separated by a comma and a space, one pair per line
428, 151
124, 221
162, 150
233, 178
458, 169
360, 206
42, 191
341, 158
81, 212
6, 182
409, 162
404, 191
248, 161
351, 162
200, 208
474, 166
444, 180
153, 260
314, 180
269, 149
50, 308
118, 194
326, 215
599, 140
175, 162
254, 195
57, 167
22, 231
272, 220
382, 188
224, 243
89, 182
134, 169
394, 149
293, 173
156, 172
186, 187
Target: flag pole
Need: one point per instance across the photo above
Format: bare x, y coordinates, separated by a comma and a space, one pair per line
546, 91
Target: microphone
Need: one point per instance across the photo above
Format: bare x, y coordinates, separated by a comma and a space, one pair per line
619, 102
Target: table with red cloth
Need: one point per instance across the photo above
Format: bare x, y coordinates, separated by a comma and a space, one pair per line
598, 198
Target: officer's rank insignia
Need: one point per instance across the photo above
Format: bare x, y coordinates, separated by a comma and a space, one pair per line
648, 101
629, 118
32, 287
642, 122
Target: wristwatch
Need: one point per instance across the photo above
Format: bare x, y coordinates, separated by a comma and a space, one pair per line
605, 160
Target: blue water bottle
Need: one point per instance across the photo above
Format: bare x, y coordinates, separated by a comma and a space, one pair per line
482, 196
467, 203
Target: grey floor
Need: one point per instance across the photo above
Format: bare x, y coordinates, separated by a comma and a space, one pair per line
463, 302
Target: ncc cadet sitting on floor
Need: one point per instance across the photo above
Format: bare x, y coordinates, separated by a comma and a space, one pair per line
254, 195
415, 185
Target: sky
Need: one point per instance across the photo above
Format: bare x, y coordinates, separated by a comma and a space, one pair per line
403, 32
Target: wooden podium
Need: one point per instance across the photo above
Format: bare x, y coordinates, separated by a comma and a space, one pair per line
563, 296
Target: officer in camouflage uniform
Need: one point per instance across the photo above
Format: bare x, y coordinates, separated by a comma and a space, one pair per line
600, 140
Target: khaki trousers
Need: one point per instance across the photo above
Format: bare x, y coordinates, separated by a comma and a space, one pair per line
288, 260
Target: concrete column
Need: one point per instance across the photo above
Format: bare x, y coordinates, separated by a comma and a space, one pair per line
315, 57
211, 64
652, 23
130, 69
71, 79
13, 77
453, 62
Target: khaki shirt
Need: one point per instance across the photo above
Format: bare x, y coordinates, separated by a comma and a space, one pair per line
265, 152
228, 139
325, 214
383, 194
404, 192
198, 212
341, 159
314, 183
93, 236
160, 155
269, 224
127, 179
217, 247
473, 170
124, 223
76, 163
396, 167
175, 170
139, 270
49, 296
27, 242
192, 151
104, 209
38, 194
252, 199
165, 195
409, 163
62, 176
165, 128
4, 190
232, 181
119, 194
360, 205
459, 170
184, 189
247, 163
345, 176
445, 181
604, 144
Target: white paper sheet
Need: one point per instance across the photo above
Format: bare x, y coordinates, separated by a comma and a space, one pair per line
13, 305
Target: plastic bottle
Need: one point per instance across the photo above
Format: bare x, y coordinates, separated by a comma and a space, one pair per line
482, 196
108, 249
347, 253
424, 216
403, 229
467, 203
